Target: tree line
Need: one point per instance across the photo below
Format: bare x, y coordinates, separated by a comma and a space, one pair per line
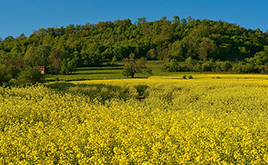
204, 45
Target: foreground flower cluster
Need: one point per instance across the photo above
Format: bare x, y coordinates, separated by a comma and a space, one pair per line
202, 121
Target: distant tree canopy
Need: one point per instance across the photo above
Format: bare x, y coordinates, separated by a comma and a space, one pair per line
63, 49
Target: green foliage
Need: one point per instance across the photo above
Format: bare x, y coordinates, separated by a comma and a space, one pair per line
244, 67
101, 92
13, 82
206, 49
127, 71
63, 49
208, 66
189, 61
260, 58
60, 86
5, 75
91, 56
147, 72
56, 57
133, 66
141, 89
238, 67
37, 56
30, 75
249, 68
171, 66
226, 66
114, 59
190, 77
67, 66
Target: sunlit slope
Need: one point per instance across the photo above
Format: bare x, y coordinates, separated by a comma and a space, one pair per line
197, 78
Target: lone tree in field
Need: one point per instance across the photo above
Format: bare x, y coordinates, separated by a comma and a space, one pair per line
133, 66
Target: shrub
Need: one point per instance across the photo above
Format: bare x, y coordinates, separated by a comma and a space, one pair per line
30, 75
208, 66
237, 68
13, 82
141, 89
5, 75
190, 77
171, 66
127, 71
226, 66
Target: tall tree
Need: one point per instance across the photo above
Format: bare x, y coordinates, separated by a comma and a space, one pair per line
133, 66
141, 20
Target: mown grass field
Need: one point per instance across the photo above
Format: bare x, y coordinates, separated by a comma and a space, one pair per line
110, 71
211, 119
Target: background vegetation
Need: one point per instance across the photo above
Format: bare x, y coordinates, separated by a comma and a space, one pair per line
202, 45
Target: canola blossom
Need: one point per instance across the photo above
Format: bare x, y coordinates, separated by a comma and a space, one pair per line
217, 119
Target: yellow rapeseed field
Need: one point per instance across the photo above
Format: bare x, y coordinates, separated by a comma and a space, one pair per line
211, 119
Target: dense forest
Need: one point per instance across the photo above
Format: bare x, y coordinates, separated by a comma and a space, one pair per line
204, 45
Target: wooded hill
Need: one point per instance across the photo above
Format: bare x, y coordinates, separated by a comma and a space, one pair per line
203, 44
